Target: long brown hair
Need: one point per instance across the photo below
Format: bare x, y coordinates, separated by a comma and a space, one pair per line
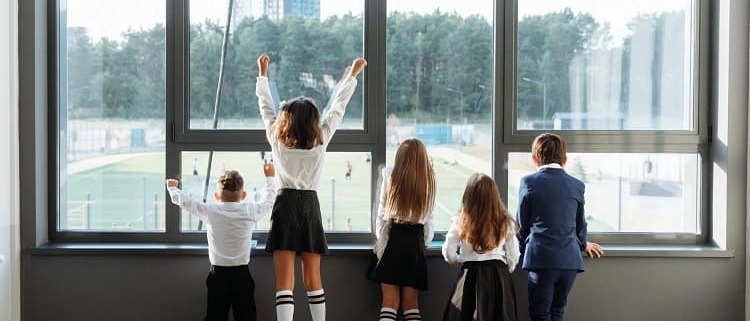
411, 189
484, 220
298, 124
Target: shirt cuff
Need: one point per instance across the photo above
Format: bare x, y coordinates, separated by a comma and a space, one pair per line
270, 180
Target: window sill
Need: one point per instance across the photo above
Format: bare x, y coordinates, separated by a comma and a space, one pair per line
350, 249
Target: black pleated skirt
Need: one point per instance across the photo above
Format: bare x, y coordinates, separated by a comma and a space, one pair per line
296, 223
404, 262
484, 292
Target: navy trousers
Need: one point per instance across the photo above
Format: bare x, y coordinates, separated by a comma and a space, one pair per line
548, 293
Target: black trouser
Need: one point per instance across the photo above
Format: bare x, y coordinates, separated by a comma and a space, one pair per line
234, 287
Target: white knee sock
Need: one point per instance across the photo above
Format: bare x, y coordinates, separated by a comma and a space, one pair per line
284, 305
412, 315
317, 301
387, 314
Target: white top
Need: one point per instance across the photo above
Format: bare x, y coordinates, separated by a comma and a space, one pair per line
383, 225
300, 168
550, 165
230, 224
456, 250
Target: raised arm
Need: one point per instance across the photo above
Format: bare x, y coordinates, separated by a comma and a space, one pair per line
185, 202
263, 91
450, 246
341, 96
265, 205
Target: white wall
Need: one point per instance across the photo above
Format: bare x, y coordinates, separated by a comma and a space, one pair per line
9, 258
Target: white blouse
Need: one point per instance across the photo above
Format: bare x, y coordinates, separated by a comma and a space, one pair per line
456, 250
383, 226
300, 168
230, 224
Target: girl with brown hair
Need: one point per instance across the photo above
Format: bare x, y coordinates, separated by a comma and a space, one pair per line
483, 240
298, 139
403, 230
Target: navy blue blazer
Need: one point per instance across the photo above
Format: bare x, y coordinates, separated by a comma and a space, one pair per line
552, 223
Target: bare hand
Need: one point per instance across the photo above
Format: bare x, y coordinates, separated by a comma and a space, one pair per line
594, 250
357, 66
172, 182
268, 169
263, 61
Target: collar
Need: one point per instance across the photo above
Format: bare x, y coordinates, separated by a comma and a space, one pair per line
551, 165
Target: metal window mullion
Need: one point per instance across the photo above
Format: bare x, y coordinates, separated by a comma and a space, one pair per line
502, 66
57, 113
375, 20
176, 51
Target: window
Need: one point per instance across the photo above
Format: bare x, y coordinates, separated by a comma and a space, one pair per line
112, 116
439, 80
623, 82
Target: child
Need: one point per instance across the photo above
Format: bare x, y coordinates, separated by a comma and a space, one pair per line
403, 228
230, 224
483, 238
298, 139
552, 229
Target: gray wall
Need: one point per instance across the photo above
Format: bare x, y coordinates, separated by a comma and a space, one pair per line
58, 285
166, 287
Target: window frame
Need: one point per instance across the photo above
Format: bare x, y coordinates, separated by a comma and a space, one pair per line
696, 140
372, 137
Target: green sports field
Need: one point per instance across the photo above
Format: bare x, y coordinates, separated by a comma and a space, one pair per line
127, 193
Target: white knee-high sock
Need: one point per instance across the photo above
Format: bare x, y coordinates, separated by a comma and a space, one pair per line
387, 314
412, 315
317, 300
284, 305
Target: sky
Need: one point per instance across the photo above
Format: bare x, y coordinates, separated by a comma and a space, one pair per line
111, 17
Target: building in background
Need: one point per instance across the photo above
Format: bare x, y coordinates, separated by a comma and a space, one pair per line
279, 9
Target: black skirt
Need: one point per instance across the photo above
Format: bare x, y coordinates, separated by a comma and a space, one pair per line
404, 262
484, 292
296, 223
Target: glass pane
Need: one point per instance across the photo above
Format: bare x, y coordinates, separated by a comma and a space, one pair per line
605, 65
344, 201
310, 43
439, 85
655, 193
112, 107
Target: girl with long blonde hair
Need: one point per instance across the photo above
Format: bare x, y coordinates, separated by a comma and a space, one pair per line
483, 240
404, 229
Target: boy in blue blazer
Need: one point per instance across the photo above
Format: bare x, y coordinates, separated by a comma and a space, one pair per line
552, 229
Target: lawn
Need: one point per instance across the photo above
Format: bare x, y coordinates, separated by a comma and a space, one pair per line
129, 194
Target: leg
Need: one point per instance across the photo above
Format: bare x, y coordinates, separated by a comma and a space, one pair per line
562, 288
218, 298
283, 263
541, 290
311, 271
389, 306
410, 304
243, 302
314, 285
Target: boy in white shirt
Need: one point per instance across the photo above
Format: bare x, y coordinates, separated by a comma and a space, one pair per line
230, 223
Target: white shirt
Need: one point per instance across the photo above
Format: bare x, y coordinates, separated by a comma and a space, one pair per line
383, 225
456, 250
550, 165
300, 168
230, 224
